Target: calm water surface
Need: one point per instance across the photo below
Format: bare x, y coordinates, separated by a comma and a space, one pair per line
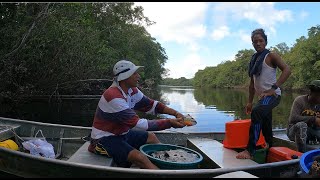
208, 116
212, 108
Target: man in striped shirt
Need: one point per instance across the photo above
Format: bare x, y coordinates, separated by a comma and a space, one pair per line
117, 130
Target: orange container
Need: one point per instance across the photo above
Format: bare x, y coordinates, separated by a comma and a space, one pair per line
276, 154
237, 134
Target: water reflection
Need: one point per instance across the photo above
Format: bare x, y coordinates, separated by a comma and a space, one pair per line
212, 108
193, 102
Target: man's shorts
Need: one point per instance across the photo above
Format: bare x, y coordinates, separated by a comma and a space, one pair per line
118, 147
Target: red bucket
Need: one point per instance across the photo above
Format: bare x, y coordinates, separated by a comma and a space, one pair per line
237, 134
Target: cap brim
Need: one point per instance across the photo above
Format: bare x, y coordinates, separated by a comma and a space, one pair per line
140, 68
127, 74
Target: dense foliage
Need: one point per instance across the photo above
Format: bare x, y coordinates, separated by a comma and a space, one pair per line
182, 81
303, 59
70, 48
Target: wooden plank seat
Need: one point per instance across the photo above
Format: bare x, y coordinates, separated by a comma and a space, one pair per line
221, 156
82, 155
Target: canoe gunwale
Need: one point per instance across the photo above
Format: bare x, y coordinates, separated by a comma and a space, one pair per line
191, 172
25, 165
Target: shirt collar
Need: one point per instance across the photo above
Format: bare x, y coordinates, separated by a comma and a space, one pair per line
116, 84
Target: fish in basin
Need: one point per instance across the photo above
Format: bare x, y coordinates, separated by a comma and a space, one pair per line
177, 155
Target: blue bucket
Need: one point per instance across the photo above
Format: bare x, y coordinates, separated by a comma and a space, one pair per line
306, 160
148, 149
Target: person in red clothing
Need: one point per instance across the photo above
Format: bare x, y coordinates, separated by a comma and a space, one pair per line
117, 130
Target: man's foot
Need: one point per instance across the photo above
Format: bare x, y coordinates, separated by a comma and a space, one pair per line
244, 155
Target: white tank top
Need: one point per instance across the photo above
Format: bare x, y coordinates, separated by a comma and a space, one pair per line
266, 79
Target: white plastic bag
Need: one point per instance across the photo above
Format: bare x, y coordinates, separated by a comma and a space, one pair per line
39, 147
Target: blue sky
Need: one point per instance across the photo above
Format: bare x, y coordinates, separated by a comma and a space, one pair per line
196, 35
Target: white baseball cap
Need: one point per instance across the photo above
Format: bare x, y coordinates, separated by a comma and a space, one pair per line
123, 69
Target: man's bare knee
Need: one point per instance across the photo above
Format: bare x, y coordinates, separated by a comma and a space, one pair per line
152, 138
138, 158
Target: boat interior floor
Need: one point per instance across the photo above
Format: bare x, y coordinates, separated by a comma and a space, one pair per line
82, 155
213, 151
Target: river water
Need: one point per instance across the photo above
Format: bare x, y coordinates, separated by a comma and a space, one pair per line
211, 108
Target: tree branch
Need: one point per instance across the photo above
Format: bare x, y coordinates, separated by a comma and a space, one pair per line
41, 14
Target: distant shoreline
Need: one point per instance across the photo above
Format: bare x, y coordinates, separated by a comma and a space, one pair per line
242, 88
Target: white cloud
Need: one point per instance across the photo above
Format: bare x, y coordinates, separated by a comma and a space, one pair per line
194, 47
220, 33
176, 21
262, 13
181, 23
186, 66
245, 37
303, 15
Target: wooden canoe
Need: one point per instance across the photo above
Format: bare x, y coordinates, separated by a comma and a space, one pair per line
73, 160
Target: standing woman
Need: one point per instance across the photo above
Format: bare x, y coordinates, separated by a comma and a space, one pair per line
264, 84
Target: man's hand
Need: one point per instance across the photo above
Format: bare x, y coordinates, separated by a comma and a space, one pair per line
179, 115
177, 123
248, 108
